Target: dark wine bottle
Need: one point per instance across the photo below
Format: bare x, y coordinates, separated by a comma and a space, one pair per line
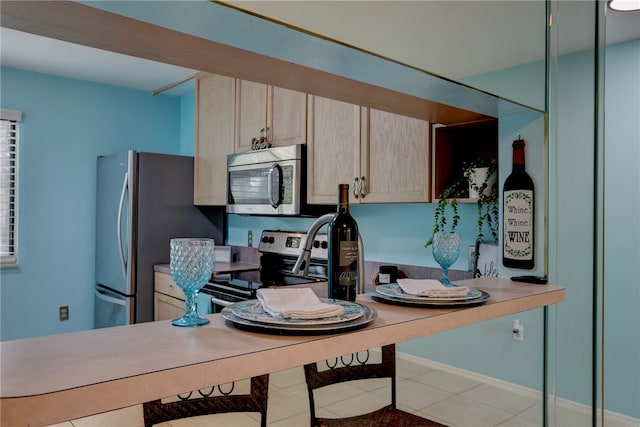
343, 250
518, 214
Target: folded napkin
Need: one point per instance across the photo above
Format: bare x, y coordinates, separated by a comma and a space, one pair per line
431, 288
296, 303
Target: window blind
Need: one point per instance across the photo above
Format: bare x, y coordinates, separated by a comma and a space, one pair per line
9, 138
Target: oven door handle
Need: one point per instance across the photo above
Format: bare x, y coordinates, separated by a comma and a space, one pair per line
275, 201
221, 302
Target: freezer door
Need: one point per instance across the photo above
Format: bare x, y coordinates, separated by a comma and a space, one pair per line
112, 309
164, 210
114, 221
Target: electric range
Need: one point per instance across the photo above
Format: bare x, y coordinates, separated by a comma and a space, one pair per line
279, 251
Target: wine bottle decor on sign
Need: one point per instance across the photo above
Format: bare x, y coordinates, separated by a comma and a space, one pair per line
518, 213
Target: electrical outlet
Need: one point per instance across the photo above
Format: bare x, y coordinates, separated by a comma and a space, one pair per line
64, 312
517, 329
250, 238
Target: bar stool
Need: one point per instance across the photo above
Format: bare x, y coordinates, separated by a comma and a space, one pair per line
387, 416
155, 411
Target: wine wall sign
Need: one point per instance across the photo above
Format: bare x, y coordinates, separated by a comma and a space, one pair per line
518, 213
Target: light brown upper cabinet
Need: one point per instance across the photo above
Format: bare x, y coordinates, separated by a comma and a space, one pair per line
383, 156
277, 114
395, 161
333, 148
215, 135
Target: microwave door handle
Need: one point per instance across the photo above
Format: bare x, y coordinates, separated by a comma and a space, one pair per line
272, 173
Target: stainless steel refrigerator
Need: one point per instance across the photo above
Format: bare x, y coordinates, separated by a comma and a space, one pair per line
143, 200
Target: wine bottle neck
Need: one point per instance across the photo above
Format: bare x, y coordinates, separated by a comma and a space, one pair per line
518, 157
343, 206
343, 199
518, 154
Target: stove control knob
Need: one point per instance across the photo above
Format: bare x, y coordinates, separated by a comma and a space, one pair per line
316, 243
265, 239
271, 239
324, 245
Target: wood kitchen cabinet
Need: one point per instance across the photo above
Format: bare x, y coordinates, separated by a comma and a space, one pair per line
383, 156
333, 147
395, 161
168, 298
214, 139
281, 113
229, 114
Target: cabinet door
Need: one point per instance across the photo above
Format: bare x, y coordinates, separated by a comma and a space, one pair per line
287, 117
166, 307
395, 161
251, 112
164, 283
333, 147
281, 112
215, 117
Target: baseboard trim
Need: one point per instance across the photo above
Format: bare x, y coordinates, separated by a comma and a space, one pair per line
609, 416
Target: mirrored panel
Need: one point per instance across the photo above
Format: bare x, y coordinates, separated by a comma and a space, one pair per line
498, 47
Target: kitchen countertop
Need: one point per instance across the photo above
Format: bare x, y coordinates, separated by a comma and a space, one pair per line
50, 379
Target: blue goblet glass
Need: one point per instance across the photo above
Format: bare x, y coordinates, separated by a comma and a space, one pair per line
191, 266
446, 248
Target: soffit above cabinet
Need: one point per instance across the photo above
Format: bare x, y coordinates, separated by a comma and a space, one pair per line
209, 37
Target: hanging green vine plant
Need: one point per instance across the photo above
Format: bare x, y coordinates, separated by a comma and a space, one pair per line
440, 217
487, 204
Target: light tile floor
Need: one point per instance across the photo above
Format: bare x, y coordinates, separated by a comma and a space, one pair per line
448, 398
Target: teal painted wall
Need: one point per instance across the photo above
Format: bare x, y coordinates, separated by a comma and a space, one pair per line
187, 124
622, 229
67, 124
390, 233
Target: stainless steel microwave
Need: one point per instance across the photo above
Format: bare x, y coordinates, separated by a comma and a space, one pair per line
270, 181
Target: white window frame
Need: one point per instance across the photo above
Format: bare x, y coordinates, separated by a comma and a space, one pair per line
9, 163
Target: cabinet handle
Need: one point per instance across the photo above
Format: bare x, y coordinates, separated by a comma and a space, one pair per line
356, 186
363, 187
262, 141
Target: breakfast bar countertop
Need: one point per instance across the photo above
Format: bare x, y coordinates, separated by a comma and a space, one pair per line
55, 378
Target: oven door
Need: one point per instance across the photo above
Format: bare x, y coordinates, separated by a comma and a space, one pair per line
271, 188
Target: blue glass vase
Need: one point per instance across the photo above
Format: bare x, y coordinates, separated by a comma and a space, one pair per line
191, 267
446, 248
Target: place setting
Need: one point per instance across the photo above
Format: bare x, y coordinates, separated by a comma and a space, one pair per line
428, 293
297, 311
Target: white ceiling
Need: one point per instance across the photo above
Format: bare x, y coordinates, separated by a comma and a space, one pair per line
30, 52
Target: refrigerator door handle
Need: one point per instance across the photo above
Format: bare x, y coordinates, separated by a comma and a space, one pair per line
125, 187
109, 299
